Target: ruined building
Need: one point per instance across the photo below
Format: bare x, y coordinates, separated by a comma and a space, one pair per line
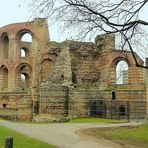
45, 80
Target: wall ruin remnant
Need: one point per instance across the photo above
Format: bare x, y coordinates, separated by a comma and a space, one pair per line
45, 80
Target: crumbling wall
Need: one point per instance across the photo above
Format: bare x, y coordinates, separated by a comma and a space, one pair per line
61, 79
16, 106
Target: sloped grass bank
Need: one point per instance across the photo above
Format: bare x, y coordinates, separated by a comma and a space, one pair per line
132, 135
20, 140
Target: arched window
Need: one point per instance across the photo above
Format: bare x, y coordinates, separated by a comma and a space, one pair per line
24, 52
27, 37
23, 77
122, 73
4, 72
113, 95
5, 41
24, 74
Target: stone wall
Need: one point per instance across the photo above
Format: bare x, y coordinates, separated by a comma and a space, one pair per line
63, 79
16, 106
53, 100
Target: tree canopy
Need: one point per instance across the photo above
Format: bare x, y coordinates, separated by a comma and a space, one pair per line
89, 17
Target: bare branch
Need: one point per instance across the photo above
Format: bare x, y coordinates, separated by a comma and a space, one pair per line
91, 16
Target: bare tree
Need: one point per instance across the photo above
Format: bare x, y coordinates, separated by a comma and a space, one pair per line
91, 17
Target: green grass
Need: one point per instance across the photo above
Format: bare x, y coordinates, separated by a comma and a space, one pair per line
20, 140
134, 135
139, 133
94, 120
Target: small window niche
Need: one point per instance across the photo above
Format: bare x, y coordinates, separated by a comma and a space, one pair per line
114, 97
4, 105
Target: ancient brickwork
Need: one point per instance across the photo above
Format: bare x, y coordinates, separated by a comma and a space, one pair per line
42, 80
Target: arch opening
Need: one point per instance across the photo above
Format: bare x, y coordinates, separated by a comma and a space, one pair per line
4, 73
24, 75
114, 95
122, 72
98, 109
23, 52
5, 42
25, 80
26, 37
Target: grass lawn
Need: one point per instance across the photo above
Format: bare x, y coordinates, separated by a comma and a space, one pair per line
136, 135
96, 120
20, 140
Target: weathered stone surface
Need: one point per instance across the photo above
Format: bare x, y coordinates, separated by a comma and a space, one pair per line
53, 81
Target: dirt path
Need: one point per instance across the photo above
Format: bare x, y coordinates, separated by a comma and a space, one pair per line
64, 135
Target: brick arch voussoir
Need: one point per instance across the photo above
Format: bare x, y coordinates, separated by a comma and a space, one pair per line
23, 31
4, 34
115, 62
21, 65
2, 67
47, 56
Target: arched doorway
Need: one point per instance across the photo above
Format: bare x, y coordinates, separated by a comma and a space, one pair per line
98, 109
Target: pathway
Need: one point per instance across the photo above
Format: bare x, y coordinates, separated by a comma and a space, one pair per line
64, 135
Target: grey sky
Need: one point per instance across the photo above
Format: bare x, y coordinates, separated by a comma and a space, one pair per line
13, 11
10, 12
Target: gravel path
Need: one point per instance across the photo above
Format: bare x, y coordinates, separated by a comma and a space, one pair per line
64, 135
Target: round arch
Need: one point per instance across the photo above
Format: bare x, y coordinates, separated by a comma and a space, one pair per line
24, 31
4, 35
4, 76
46, 59
24, 69
122, 72
3, 67
118, 59
49, 56
21, 65
5, 45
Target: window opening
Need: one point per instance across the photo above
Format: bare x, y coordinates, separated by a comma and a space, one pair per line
122, 73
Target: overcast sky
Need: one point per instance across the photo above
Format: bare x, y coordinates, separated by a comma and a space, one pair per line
12, 11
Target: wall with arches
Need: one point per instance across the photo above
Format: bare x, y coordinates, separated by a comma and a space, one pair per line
133, 73
41, 77
21, 47
22, 43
